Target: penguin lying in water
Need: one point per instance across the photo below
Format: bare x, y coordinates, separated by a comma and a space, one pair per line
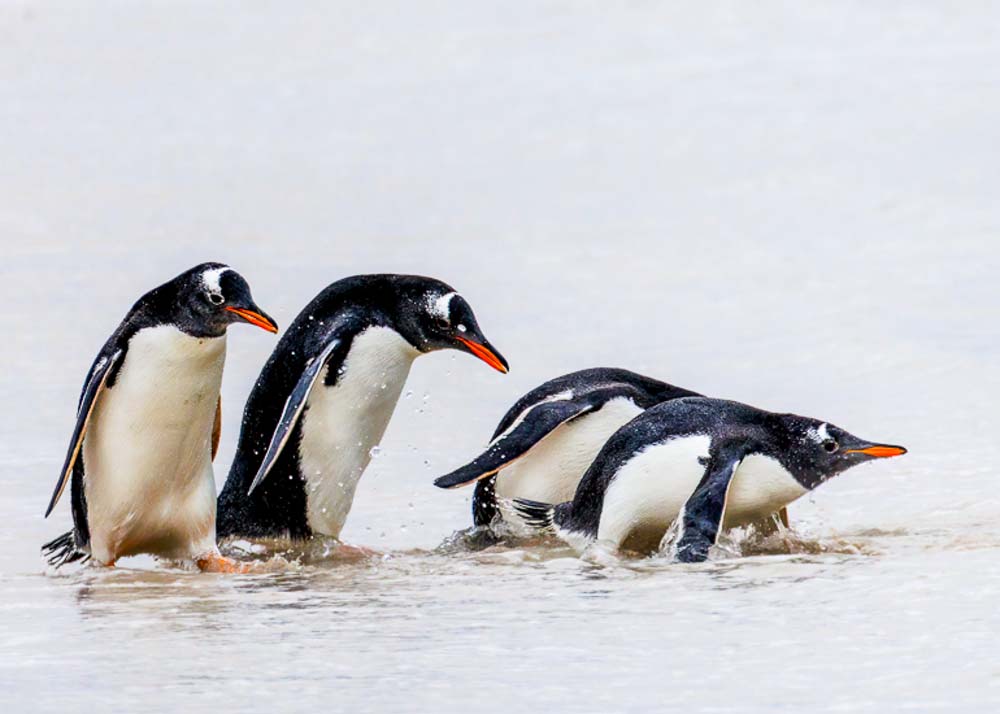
548, 439
325, 397
147, 426
706, 464
545, 442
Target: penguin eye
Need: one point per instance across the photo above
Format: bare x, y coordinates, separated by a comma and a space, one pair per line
830, 446
216, 298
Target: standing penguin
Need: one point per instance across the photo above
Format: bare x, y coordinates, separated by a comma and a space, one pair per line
140, 458
707, 464
545, 442
325, 397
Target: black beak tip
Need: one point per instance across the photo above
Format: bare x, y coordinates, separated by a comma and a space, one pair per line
270, 320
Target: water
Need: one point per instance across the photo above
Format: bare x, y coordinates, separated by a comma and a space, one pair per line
792, 207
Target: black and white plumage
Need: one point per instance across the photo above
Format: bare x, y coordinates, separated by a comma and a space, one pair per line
139, 463
325, 397
545, 442
707, 464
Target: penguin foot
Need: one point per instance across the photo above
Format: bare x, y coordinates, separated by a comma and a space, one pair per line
64, 550
218, 563
358, 552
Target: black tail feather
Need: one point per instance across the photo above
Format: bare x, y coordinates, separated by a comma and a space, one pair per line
535, 514
62, 550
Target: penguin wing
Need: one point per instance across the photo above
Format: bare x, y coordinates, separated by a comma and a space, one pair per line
96, 381
701, 516
537, 423
217, 428
294, 405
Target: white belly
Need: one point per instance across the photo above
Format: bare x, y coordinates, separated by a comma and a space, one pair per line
648, 492
552, 469
148, 450
343, 423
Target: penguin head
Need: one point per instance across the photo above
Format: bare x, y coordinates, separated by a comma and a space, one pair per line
432, 316
820, 450
210, 297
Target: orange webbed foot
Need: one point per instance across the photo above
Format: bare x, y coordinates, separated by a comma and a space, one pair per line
217, 563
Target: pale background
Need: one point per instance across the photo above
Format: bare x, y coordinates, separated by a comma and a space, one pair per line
792, 205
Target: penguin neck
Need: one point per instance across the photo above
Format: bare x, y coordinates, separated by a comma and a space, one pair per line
345, 418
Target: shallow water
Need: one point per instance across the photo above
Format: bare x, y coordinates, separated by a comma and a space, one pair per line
795, 208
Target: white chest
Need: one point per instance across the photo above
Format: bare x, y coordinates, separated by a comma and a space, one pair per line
648, 492
341, 424
760, 487
147, 453
552, 469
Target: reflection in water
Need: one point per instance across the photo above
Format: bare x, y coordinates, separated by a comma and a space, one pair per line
323, 618
322, 573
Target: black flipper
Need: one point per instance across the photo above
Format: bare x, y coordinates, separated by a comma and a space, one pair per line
538, 423
702, 514
293, 410
96, 382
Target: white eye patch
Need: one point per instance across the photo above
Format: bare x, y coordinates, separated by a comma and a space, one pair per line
440, 306
212, 280
818, 435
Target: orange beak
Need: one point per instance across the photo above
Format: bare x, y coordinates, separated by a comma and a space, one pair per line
880, 451
485, 354
255, 318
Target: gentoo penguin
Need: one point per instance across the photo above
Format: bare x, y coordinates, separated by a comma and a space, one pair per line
705, 464
325, 396
545, 442
140, 458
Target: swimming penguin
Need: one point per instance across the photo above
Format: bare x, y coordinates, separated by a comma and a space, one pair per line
545, 442
325, 397
147, 426
707, 464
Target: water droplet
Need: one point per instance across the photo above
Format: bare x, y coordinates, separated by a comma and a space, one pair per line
409, 393
375, 452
